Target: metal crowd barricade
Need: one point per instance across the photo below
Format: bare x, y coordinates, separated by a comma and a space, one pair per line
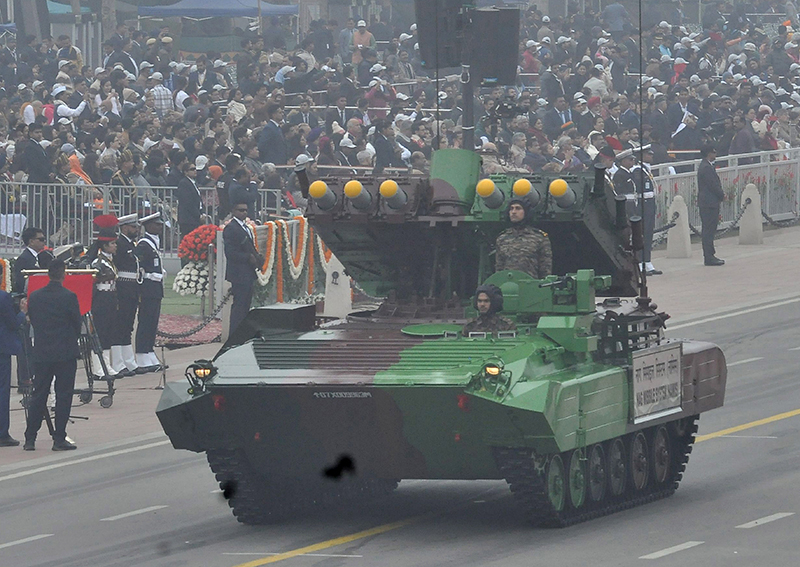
776, 175
65, 213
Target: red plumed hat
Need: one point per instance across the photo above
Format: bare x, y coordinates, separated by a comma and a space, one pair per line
106, 221
108, 227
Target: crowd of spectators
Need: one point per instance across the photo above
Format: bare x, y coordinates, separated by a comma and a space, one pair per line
357, 95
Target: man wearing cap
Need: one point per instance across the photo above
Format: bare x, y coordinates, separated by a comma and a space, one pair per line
623, 180
362, 39
645, 190
63, 110
104, 294
56, 319
128, 281
190, 203
151, 292
523, 247
161, 95
241, 262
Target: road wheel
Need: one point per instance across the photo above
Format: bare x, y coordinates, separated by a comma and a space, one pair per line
598, 473
617, 470
556, 483
639, 461
577, 479
662, 455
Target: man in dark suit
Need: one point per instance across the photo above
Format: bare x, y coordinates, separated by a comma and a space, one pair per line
37, 163
33, 239
56, 319
190, 205
241, 261
272, 146
709, 197
338, 113
10, 343
305, 115
556, 117
385, 154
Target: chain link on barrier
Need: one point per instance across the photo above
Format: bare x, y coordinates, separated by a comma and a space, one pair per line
728, 228
780, 224
199, 327
660, 234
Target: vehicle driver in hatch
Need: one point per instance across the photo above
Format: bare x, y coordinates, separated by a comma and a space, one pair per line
488, 302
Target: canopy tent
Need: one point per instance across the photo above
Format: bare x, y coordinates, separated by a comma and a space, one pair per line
215, 8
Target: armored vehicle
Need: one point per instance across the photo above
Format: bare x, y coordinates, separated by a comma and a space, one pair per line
586, 408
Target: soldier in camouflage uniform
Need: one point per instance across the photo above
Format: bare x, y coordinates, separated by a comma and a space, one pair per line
488, 301
523, 247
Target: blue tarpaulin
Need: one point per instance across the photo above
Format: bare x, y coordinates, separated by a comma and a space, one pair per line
217, 8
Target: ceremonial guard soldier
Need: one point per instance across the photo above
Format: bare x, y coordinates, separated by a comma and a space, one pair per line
129, 279
151, 292
623, 181
104, 294
646, 190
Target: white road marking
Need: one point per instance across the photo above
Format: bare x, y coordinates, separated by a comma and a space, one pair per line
134, 513
671, 550
734, 314
26, 540
745, 361
795, 348
766, 520
302, 555
59, 465
747, 437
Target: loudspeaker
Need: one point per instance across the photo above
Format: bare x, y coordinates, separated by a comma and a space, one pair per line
495, 45
439, 30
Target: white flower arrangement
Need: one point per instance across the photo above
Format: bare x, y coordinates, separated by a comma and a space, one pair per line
192, 279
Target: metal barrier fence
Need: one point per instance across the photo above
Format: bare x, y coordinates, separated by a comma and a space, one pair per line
65, 212
776, 174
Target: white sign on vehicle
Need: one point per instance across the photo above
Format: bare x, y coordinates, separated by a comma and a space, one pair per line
656, 379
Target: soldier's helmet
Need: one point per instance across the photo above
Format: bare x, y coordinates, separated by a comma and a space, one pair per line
526, 204
495, 296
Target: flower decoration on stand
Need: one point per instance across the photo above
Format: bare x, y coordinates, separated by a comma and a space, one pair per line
194, 246
192, 279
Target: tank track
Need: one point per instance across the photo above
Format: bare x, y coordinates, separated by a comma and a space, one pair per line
256, 500
524, 472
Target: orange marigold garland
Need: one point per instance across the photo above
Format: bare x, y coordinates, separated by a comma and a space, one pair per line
296, 258
325, 254
5, 280
265, 273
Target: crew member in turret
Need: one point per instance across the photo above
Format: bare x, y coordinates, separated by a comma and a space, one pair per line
523, 247
151, 292
488, 302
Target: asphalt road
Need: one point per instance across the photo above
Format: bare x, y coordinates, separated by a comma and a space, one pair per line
147, 505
